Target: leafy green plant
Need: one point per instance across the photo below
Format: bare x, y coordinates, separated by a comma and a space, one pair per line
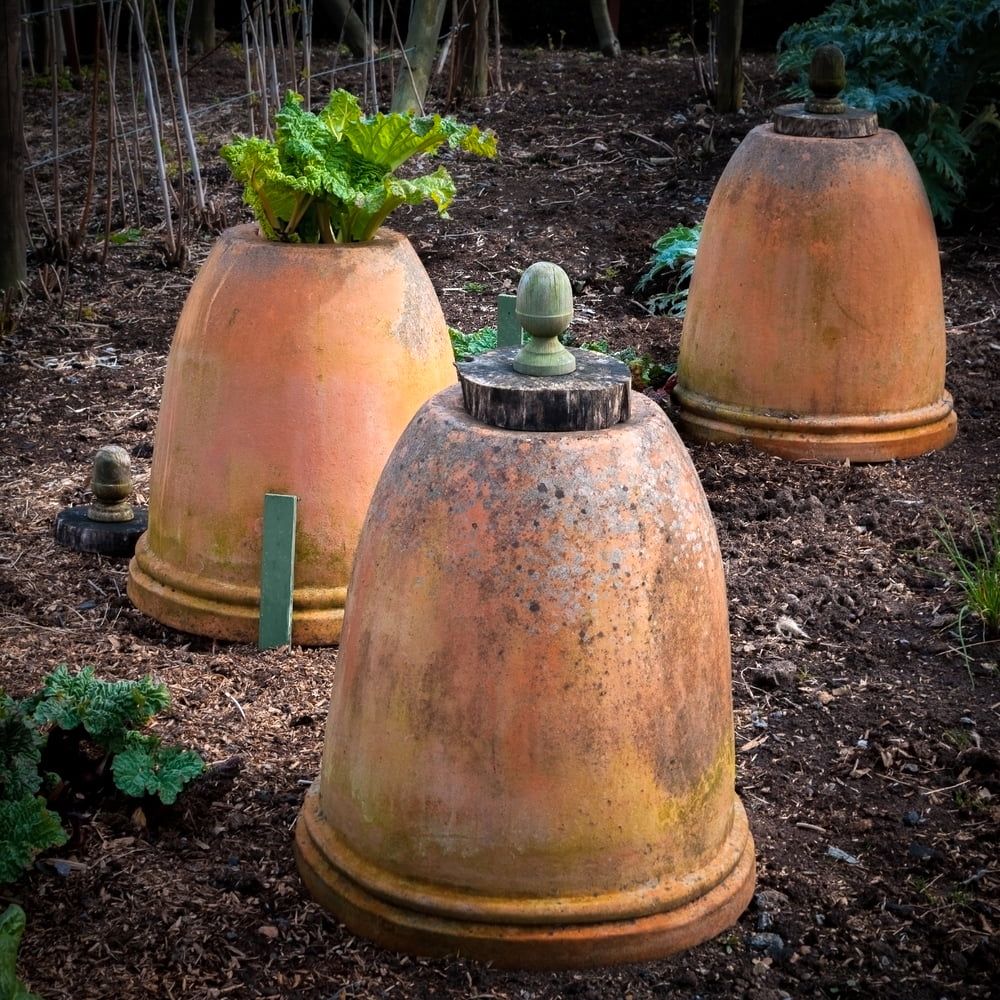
467, 345
976, 572
27, 827
674, 254
65, 737
931, 69
124, 236
146, 767
331, 177
646, 373
20, 752
106, 710
11, 929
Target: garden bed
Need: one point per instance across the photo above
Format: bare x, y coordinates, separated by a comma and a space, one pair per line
867, 743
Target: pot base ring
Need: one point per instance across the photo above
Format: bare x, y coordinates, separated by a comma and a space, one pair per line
202, 606
880, 437
520, 945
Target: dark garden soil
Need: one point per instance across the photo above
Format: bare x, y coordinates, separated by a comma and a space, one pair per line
867, 745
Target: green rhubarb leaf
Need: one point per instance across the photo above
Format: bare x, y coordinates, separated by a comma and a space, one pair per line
310, 156
146, 766
470, 138
342, 109
27, 827
107, 710
271, 194
328, 176
437, 187
391, 140
11, 929
20, 752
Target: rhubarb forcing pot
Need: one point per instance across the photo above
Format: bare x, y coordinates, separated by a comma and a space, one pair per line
529, 756
294, 369
815, 320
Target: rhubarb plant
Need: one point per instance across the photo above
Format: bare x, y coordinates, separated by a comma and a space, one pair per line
63, 744
11, 930
331, 177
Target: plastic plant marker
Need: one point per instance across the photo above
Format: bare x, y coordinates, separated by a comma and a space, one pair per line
277, 571
508, 327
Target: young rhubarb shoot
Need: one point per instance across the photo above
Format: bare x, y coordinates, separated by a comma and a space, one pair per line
330, 177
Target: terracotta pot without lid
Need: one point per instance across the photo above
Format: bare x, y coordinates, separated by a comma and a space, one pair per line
529, 754
815, 321
294, 369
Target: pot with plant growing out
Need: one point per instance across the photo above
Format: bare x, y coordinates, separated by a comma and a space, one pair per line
305, 346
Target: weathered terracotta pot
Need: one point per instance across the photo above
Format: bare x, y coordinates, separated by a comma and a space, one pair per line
529, 755
815, 322
294, 369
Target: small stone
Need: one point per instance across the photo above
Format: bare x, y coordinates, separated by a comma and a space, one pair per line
770, 944
824, 697
922, 852
912, 818
764, 921
269, 931
773, 674
838, 855
770, 901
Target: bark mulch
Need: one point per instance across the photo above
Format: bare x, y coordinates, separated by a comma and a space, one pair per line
867, 742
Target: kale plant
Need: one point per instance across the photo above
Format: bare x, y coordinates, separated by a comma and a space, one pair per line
931, 69
674, 254
66, 737
331, 177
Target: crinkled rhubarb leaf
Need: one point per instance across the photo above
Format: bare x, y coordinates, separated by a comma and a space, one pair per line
107, 710
146, 766
20, 752
11, 929
330, 176
27, 827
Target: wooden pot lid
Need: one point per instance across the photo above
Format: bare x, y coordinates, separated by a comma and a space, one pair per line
593, 397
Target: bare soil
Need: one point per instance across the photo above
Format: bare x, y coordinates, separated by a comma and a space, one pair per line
867, 744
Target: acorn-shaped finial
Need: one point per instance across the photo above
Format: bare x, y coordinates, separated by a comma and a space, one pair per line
544, 309
827, 78
111, 484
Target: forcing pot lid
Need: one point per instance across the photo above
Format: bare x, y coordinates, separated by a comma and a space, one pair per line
543, 385
825, 115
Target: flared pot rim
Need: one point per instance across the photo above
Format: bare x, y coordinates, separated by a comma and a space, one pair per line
249, 232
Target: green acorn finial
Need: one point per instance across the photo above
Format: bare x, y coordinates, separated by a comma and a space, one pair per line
827, 78
545, 309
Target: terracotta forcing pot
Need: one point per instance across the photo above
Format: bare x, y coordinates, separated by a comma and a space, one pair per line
815, 320
294, 369
529, 755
